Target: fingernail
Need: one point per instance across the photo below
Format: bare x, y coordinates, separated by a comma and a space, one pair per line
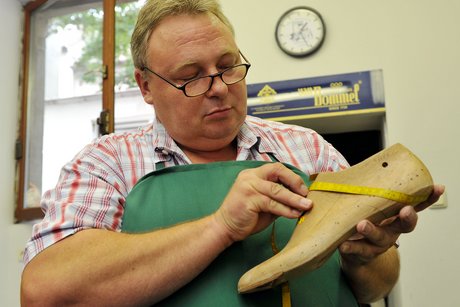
366, 228
305, 203
296, 212
304, 189
344, 248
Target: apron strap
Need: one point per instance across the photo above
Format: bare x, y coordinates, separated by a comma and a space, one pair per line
159, 165
272, 157
285, 289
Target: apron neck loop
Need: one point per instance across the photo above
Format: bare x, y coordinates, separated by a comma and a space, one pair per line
162, 152
161, 164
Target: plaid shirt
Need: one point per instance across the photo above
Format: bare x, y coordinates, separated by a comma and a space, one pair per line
92, 188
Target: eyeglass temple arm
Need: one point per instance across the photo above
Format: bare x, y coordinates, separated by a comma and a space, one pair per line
244, 58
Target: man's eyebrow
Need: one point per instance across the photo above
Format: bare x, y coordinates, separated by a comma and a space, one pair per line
192, 63
184, 65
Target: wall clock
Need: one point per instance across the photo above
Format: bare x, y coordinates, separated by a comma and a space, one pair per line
300, 31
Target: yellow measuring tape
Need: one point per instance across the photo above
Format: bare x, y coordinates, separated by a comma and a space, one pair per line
362, 190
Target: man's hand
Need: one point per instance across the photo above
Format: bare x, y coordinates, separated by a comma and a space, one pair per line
369, 262
372, 240
259, 196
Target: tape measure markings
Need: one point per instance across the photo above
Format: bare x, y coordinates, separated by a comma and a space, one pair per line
362, 190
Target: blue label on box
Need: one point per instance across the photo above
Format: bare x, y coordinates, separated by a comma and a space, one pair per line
318, 96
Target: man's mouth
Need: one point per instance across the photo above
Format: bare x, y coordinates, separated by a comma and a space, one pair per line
219, 111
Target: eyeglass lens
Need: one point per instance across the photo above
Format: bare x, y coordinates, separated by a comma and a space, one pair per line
229, 76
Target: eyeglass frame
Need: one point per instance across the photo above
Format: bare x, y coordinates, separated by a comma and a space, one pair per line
212, 76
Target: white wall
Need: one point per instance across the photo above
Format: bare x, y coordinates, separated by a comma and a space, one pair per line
416, 43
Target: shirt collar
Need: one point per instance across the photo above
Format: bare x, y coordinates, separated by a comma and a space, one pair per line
248, 139
164, 145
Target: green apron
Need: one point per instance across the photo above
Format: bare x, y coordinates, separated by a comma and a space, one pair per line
172, 195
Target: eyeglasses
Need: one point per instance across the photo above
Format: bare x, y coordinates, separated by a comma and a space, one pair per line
201, 85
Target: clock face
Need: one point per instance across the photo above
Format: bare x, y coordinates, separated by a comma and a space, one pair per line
300, 31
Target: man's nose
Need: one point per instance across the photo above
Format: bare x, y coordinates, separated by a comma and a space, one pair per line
217, 85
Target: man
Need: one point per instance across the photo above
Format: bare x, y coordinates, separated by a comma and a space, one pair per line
79, 255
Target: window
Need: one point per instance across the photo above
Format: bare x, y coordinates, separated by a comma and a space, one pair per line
76, 64
131, 111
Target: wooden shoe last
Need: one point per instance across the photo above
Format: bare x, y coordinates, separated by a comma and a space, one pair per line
375, 189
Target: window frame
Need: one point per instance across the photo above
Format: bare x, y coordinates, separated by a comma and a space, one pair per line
105, 121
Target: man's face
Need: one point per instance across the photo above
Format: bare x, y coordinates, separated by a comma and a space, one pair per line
182, 48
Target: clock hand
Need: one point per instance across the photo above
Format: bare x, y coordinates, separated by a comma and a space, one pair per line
297, 35
305, 40
303, 27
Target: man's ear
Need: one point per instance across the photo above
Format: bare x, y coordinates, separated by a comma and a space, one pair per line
144, 85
